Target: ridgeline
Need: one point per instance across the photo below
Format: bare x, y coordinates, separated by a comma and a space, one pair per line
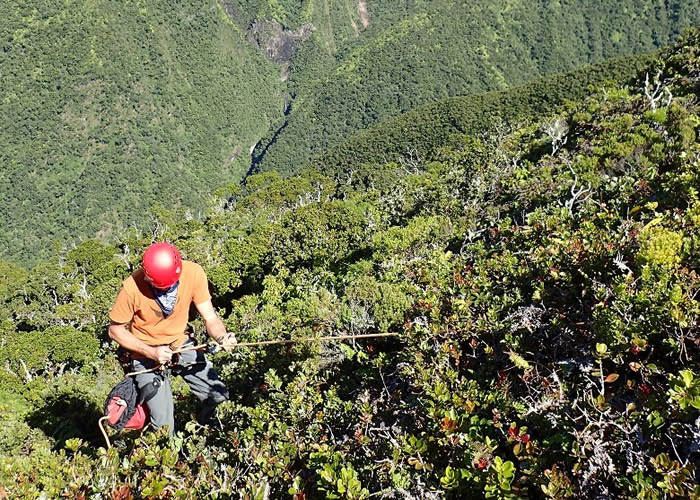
443, 49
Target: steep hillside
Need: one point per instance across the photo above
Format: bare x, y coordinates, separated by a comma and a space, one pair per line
543, 284
420, 133
457, 48
110, 107
330, 31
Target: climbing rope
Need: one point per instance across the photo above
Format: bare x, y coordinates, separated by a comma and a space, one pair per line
202, 347
100, 424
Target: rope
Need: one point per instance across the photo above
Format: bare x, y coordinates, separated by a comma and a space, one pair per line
268, 342
316, 339
307, 339
141, 372
104, 433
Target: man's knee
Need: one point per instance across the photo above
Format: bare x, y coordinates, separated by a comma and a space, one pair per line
218, 393
155, 393
161, 416
205, 382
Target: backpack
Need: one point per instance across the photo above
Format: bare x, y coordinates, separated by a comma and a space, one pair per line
125, 407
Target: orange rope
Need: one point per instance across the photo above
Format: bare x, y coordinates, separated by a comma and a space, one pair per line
292, 341
269, 342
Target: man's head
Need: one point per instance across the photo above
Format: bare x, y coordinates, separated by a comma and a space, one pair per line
162, 265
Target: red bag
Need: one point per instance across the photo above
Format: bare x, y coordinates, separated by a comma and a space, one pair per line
124, 408
116, 408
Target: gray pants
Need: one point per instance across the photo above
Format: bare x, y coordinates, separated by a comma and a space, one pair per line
199, 374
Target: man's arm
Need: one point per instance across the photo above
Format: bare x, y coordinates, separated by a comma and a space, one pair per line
215, 327
119, 333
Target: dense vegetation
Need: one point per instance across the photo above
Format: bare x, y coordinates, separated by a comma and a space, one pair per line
440, 49
544, 282
421, 132
338, 25
110, 107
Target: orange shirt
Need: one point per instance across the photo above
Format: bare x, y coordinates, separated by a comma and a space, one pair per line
136, 304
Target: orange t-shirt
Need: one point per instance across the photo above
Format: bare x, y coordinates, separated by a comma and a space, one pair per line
136, 304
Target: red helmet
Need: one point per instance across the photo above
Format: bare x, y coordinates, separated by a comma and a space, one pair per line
162, 265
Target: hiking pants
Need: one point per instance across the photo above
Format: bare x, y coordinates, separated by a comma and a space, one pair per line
199, 374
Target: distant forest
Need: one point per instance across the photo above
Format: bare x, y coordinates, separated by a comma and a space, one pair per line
111, 109
442, 49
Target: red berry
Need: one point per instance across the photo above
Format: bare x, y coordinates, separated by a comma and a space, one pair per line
525, 438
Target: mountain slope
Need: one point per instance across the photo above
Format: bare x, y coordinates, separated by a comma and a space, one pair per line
109, 107
337, 24
544, 292
420, 132
458, 48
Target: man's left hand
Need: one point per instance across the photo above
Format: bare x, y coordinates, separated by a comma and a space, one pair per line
228, 341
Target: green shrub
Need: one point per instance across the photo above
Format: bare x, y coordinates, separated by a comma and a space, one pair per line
659, 246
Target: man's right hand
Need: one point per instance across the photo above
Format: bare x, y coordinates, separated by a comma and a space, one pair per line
162, 354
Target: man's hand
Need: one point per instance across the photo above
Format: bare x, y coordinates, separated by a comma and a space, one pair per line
215, 327
162, 354
227, 341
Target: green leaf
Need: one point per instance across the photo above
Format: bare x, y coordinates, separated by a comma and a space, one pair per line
519, 361
653, 222
508, 468
74, 444
349, 351
687, 377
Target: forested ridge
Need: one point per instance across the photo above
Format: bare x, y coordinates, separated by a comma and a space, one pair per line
421, 132
543, 281
441, 49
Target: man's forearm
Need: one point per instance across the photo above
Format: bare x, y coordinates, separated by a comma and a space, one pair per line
129, 341
215, 328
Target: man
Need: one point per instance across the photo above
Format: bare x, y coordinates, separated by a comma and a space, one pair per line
149, 319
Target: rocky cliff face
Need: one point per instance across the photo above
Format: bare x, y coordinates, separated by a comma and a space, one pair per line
277, 42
